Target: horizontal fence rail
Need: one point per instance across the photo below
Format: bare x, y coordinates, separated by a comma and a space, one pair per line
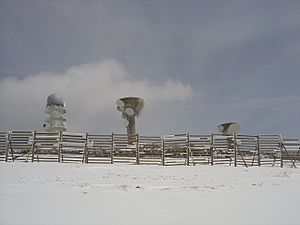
174, 149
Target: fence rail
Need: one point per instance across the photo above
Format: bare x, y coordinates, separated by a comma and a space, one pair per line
175, 149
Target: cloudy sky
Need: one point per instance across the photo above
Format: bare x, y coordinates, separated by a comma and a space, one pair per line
196, 63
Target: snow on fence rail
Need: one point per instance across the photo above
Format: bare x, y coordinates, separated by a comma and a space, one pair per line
174, 149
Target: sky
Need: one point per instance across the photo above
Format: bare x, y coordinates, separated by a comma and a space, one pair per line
196, 63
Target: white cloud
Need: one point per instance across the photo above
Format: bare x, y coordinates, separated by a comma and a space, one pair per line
89, 90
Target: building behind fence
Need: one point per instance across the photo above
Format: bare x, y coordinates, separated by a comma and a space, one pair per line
175, 149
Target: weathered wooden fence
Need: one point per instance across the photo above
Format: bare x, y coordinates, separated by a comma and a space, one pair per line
175, 149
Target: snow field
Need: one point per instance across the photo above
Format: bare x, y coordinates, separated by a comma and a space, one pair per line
84, 194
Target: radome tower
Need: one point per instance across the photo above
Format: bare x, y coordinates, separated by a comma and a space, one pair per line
55, 109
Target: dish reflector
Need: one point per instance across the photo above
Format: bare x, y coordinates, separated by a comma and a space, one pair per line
120, 103
129, 111
220, 128
125, 123
229, 128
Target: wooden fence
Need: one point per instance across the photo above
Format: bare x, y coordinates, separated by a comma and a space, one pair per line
175, 149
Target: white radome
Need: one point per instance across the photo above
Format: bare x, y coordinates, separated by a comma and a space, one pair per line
55, 100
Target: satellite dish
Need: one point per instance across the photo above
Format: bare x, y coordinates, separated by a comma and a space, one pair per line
129, 111
221, 128
229, 128
125, 123
120, 105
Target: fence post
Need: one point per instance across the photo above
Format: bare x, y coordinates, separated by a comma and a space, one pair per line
188, 150
7, 146
137, 150
10, 147
212, 150
112, 149
33, 146
281, 152
258, 151
235, 150
59, 146
86, 159
163, 151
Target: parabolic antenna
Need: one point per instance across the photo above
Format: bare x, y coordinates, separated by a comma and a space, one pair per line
129, 111
120, 105
125, 123
229, 128
221, 128
130, 107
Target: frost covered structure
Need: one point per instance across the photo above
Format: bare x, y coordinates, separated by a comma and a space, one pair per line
130, 108
55, 108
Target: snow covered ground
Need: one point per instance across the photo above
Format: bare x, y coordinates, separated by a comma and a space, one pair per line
53, 193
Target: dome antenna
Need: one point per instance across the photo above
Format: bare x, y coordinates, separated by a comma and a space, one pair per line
55, 108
